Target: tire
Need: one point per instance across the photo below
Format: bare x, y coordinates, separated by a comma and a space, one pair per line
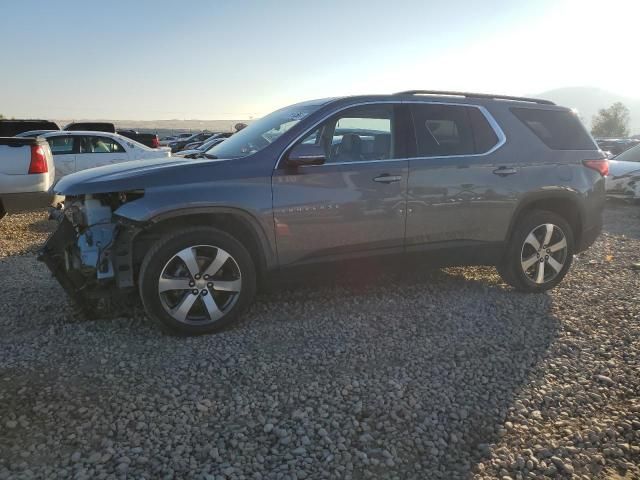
523, 259
3, 212
171, 262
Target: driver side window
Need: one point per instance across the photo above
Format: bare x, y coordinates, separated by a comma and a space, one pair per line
363, 133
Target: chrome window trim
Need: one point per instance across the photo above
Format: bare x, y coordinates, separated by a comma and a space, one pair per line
502, 138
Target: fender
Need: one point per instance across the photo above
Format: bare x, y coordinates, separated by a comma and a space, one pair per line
575, 197
130, 229
267, 249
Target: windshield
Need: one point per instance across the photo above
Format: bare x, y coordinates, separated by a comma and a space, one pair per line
262, 132
631, 155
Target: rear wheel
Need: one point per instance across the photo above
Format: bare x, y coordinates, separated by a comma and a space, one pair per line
197, 281
539, 252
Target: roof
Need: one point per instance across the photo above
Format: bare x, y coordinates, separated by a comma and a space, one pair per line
488, 96
82, 132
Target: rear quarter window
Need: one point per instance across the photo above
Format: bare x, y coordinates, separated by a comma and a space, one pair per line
558, 129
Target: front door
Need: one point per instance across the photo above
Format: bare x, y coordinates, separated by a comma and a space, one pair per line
353, 204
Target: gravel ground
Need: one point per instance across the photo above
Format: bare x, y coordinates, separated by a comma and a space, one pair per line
441, 374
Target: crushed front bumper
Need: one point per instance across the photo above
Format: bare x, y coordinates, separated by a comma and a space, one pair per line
85, 285
55, 255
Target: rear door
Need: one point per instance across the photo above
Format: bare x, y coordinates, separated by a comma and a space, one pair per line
355, 203
460, 188
98, 150
64, 148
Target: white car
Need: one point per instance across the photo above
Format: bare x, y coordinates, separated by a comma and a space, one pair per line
623, 180
75, 151
26, 174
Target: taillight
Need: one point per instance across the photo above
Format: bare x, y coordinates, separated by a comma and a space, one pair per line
601, 165
155, 143
38, 160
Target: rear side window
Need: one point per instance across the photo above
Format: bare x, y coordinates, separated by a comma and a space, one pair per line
558, 129
62, 145
450, 130
99, 145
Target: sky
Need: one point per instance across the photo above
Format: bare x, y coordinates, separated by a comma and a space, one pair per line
198, 59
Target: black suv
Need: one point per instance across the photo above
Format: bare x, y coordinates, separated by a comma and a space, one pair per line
513, 182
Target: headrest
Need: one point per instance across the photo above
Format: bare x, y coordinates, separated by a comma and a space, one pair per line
351, 142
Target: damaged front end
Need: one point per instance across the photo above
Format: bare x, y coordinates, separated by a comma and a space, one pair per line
90, 251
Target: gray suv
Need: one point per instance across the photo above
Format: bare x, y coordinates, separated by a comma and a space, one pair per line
512, 182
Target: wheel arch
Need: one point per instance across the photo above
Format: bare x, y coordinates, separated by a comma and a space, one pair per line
240, 224
565, 204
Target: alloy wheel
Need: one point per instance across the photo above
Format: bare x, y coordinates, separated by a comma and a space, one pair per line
200, 284
544, 253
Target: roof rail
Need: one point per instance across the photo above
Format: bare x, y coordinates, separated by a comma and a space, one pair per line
475, 95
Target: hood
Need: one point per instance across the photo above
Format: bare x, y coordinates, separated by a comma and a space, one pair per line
619, 168
183, 153
134, 175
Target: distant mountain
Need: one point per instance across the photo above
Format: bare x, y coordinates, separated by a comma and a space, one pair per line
588, 100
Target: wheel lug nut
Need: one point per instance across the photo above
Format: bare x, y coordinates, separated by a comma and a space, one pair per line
206, 277
194, 291
191, 284
203, 292
197, 276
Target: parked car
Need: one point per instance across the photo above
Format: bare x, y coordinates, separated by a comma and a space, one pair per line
151, 140
167, 140
215, 136
106, 127
471, 178
178, 145
13, 127
616, 145
623, 181
200, 151
74, 151
26, 174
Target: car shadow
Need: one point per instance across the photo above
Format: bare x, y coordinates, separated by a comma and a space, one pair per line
412, 369
438, 371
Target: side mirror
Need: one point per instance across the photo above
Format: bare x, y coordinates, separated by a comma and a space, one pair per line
303, 154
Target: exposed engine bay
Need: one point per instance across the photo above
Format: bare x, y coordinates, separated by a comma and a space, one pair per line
81, 252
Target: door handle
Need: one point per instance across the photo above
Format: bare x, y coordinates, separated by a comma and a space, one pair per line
504, 171
386, 178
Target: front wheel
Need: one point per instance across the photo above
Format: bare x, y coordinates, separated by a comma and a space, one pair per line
196, 281
539, 252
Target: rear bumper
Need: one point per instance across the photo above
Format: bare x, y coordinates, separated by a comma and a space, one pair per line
23, 202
